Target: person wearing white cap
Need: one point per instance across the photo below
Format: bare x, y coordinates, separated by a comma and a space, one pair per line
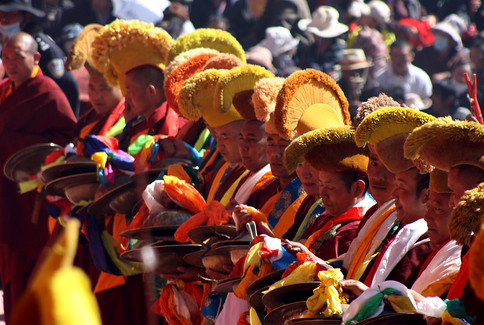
283, 46
327, 49
446, 50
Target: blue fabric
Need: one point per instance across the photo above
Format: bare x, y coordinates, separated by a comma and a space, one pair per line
286, 259
117, 158
287, 197
101, 259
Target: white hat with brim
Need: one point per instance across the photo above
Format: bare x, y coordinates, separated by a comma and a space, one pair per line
21, 5
449, 29
354, 59
324, 23
279, 40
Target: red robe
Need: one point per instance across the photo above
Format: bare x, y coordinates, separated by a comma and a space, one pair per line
35, 112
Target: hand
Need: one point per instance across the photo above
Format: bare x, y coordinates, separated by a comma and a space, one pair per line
295, 247
352, 288
241, 216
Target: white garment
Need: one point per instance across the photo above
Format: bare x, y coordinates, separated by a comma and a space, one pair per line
415, 81
246, 188
404, 241
379, 236
231, 310
444, 263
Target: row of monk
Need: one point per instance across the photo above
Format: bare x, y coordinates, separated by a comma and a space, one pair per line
199, 189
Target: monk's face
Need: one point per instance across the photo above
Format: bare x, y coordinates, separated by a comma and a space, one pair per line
275, 154
252, 145
103, 97
228, 141
19, 60
136, 97
410, 203
382, 181
334, 192
438, 216
309, 178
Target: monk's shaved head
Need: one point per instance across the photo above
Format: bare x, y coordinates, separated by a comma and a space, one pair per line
26, 41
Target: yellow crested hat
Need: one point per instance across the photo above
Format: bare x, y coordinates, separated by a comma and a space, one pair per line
438, 181
217, 39
177, 77
123, 45
196, 97
235, 88
331, 149
80, 52
264, 100
445, 143
387, 129
476, 262
309, 100
184, 57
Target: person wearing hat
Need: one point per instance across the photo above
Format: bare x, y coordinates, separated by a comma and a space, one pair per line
401, 72
402, 249
325, 51
19, 15
455, 146
33, 110
343, 184
446, 49
372, 33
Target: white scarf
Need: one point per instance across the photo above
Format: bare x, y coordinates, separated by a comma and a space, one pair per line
404, 241
246, 188
444, 263
380, 235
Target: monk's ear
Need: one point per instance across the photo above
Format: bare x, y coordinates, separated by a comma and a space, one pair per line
358, 188
36, 57
151, 90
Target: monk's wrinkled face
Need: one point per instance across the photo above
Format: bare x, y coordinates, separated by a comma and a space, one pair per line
228, 141
253, 145
19, 59
438, 216
103, 97
136, 96
382, 181
309, 178
275, 153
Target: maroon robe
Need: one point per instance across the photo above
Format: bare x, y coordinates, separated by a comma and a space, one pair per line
306, 204
36, 112
231, 177
263, 194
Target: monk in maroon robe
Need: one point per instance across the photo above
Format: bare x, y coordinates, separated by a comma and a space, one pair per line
33, 109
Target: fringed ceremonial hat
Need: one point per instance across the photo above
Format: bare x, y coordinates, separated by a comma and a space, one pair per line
438, 181
223, 61
331, 149
476, 264
184, 57
217, 39
309, 100
174, 82
445, 143
387, 129
81, 50
235, 88
264, 100
196, 98
371, 105
123, 45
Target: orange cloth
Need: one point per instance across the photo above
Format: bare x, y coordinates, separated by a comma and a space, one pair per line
287, 219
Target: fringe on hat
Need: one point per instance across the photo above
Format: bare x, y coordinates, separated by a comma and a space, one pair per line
239, 80
194, 89
371, 105
264, 97
80, 52
387, 122
118, 35
210, 38
177, 78
184, 57
294, 153
223, 61
443, 127
467, 216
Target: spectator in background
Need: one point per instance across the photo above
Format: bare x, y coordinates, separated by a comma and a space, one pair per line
444, 102
327, 49
437, 60
282, 46
249, 19
401, 72
89, 12
19, 15
176, 20
262, 56
372, 35
203, 12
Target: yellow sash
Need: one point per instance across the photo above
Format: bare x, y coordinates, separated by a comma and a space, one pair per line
230, 192
287, 218
359, 264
